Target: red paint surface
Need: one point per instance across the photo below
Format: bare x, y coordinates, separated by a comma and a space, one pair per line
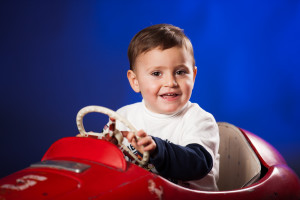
111, 177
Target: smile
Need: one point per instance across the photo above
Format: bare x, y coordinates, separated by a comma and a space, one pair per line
169, 96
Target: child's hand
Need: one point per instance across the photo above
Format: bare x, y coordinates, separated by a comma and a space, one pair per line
145, 140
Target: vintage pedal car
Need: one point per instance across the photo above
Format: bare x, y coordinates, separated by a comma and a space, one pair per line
88, 168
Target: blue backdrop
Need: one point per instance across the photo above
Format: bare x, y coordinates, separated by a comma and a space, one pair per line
59, 56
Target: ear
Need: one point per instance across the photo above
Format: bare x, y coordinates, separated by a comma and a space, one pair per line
195, 73
132, 78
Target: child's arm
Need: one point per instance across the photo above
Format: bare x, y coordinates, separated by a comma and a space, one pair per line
182, 163
174, 161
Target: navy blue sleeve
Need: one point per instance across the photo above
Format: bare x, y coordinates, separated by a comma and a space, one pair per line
173, 161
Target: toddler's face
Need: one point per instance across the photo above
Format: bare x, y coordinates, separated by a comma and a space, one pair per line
165, 78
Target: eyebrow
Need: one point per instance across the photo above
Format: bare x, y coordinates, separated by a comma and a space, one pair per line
182, 65
162, 67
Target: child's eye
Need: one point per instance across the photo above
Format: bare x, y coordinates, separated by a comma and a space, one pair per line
155, 73
181, 72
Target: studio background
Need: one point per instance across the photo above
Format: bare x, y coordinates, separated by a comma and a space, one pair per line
59, 56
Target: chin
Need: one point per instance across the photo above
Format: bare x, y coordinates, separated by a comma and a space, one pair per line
170, 111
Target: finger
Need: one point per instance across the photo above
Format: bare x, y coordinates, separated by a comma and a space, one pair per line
134, 143
131, 137
148, 143
151, 147
144, 141
141, 133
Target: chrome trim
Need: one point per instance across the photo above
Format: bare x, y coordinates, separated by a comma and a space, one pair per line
62, 164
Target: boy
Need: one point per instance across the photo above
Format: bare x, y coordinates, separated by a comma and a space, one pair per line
182, 138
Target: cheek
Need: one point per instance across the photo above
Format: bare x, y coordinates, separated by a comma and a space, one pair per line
149, 87
188, 86
152, 89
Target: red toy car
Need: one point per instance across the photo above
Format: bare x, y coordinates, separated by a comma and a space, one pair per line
87, 168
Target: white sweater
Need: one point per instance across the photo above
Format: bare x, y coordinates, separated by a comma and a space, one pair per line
190, 125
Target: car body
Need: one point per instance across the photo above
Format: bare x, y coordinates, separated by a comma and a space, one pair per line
87, 168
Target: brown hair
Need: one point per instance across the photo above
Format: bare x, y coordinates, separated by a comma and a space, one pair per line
164, 36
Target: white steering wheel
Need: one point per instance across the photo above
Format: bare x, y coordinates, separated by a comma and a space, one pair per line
117, 134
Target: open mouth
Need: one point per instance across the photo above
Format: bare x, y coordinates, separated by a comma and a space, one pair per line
169, 95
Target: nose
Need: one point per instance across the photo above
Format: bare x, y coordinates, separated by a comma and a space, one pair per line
170, 81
